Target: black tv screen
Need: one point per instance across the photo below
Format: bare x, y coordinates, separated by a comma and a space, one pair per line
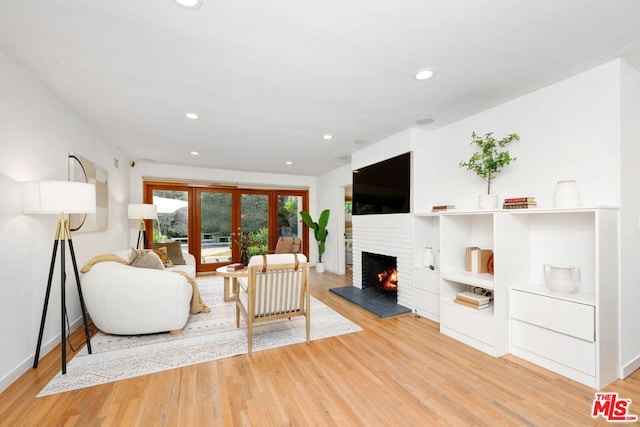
383, 187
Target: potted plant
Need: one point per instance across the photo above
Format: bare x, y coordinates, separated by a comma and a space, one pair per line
488, 162
320, 232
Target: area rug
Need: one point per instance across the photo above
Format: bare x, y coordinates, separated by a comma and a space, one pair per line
206, 337
371, 300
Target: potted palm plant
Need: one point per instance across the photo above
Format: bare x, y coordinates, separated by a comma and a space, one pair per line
488, 162
320, 232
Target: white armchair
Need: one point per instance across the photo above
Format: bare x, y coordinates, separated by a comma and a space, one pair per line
277, 287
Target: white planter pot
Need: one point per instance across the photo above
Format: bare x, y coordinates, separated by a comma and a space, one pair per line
488, 201
320, 267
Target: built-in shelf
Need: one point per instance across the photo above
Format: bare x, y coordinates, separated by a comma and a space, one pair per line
483, 280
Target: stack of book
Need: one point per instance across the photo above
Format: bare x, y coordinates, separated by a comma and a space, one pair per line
519, 203
473, 300
235, 267
442, 208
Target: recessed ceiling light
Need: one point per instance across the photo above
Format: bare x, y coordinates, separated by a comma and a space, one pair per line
192, 116
189, 4
288, 163
425, 121
423, 74
195, 153
360, 141
327, 136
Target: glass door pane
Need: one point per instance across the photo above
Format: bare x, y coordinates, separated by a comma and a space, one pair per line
215, 227
254, 220
289, 224
173, 216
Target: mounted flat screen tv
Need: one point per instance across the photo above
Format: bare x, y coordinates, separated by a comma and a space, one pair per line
383, 187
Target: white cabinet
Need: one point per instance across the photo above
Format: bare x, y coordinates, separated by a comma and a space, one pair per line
574, 334
426, 293
426, 281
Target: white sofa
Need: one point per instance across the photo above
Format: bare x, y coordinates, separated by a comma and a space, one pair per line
125, 300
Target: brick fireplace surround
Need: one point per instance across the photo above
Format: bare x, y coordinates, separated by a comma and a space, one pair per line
390, 235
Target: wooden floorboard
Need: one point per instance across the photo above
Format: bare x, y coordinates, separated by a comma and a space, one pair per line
397, 371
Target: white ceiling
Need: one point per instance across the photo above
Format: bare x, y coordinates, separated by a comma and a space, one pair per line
269, 78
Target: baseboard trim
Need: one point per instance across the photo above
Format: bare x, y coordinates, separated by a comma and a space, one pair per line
630, 367
27, 364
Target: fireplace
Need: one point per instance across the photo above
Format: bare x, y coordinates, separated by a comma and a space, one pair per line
380, 275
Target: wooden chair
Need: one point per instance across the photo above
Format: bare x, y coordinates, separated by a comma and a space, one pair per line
288, 245
277, 287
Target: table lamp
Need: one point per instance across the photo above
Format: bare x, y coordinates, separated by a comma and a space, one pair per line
142, 211
60, 198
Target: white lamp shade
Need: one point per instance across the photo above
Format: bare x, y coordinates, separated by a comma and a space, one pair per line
142, 211
56, 197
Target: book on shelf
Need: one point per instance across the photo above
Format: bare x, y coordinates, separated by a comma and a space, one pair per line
235, 266
519, 205
470, 305
480, 260
520, 200
440, 208
467, 257
473, 298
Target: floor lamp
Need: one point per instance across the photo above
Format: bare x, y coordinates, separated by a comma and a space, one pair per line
142, 211
60, 198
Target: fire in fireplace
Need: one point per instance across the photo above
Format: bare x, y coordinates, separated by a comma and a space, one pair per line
380, 274
388, 280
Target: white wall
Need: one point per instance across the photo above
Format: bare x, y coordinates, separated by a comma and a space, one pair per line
37, 132
569, 130
630, 219
331, 196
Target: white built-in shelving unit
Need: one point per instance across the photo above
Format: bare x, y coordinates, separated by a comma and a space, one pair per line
574, 334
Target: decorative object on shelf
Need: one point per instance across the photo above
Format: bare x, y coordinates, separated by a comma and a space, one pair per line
488, 162
490, 268
320, 232
442, 208
477, 300
428, 260
519, 203
562, 279
566, 194
60, 198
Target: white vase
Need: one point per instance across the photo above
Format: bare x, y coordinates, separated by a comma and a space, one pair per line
562, 279
488, 201
428, 258
566, 194
319, 267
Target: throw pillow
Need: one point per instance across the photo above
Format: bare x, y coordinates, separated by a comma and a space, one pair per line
174, 251
145, 258
164, 257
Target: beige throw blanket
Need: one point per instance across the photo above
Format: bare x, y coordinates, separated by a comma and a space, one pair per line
197, 305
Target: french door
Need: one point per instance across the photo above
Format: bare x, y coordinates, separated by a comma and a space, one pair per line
208, 220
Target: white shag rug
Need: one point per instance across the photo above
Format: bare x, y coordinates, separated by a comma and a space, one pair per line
206, 337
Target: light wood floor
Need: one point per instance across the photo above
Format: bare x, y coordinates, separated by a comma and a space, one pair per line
398, 371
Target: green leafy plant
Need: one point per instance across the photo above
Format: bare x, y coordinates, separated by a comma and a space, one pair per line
319, 229
489, 160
